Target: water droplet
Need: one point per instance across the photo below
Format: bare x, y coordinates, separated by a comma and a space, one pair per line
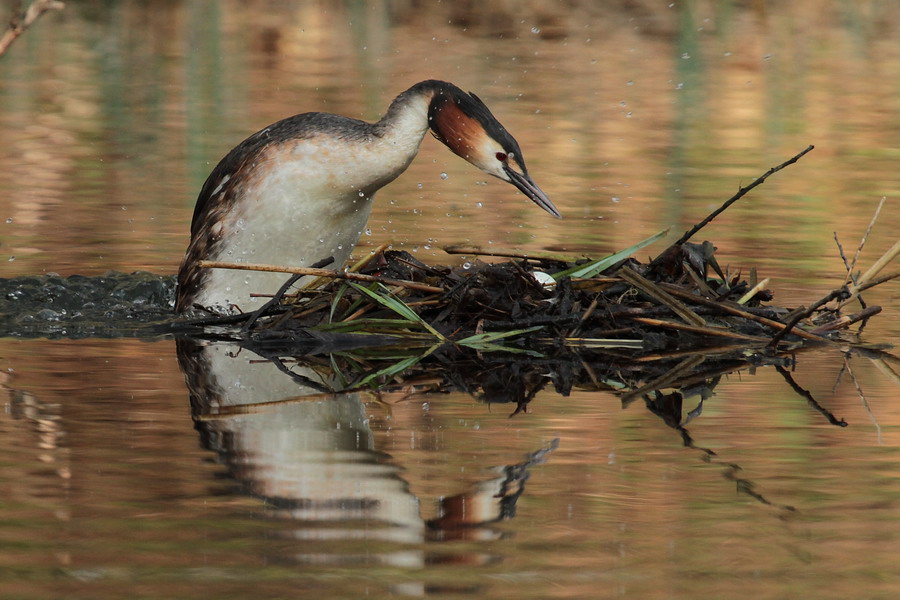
685, 56
629, 83
444, 176
362, 194
8, 220
419, 185
535, 30
479, 204
427, 246
467, 265
12, 258
679, 86
368, 231
628, 114
616, 199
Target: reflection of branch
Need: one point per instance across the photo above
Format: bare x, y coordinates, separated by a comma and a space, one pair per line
22, 21
668, 408
746, 486
688, 365
809, 398
864, 401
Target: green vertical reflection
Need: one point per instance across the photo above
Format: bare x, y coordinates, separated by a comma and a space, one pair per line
370, 26
690, 106
205, 78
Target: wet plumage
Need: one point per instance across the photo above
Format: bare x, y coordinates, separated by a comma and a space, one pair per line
301, 189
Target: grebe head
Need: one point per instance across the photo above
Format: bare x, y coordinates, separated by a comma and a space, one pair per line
464, 124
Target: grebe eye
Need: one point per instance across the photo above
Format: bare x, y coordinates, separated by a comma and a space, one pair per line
501, 156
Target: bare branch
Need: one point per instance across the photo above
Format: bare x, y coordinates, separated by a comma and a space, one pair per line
740, 194
22, 21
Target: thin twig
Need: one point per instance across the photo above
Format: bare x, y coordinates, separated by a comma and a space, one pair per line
839, 293
711, 331
841, 252
280, 294
20, 22
728, 308
862, 242
848, 320
413, 285
507, 253
740, 194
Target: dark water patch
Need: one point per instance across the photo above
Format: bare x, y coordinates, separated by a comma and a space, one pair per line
111, 305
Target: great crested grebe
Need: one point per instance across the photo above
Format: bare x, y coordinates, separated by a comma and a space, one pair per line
301, 189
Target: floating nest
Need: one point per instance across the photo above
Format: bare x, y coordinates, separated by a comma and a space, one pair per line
679, 320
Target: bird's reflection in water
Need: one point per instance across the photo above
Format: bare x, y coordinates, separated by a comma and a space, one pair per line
309, 453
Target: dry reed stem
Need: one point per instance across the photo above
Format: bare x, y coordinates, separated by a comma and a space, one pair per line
881, 263
739, 313
712, 331
475, 251
753, 291
848, 320
413, 285
652, 290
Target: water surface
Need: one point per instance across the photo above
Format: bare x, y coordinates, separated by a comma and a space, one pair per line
123, 478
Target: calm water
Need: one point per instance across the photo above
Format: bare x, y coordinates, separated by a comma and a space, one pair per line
127, 474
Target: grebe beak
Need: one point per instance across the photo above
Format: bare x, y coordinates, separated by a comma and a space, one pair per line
528, 187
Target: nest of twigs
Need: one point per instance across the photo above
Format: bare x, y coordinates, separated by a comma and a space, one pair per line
678, 303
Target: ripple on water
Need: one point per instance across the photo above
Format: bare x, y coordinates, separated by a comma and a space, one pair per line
79, 306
